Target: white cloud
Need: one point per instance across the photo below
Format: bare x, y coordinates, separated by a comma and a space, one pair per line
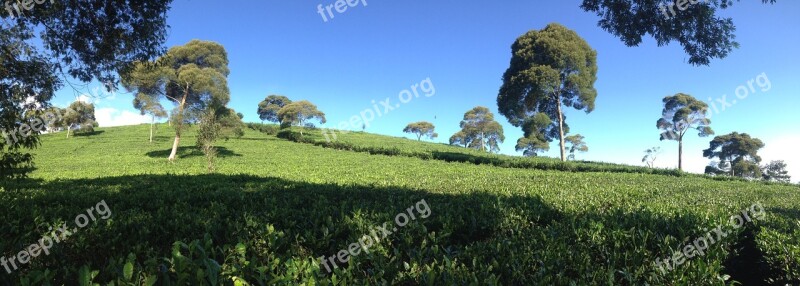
107, 117
782, 148
85, 99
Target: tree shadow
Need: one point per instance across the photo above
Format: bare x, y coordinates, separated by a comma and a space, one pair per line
790, 214
465, 158
151, 212
191, 151
87, 134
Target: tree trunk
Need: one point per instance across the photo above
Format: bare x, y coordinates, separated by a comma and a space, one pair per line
483, 148
175, 147
68, 128
561, 128
680, 154
179, 126
152, 123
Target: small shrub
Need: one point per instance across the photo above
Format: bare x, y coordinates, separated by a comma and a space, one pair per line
269, 129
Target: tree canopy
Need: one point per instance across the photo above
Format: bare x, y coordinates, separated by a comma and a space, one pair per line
479, 130
421, 128
776, 171
737, 151
534, 139
683, 112
148, 105
695, 25
79, 116
269, 107
87, 39
577, 144
299, 113
460, 139
192, 77
650, 156
549, 70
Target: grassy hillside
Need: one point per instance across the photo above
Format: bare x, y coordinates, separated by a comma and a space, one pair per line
274, 207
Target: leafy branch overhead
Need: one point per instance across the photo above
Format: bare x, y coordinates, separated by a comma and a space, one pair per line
86, 39
703, 34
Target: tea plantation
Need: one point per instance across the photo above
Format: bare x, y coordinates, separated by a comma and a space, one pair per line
274, 207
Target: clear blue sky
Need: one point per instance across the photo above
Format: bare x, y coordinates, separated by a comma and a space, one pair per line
376, 51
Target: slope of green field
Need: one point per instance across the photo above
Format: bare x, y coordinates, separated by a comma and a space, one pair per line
396, 146
274, 207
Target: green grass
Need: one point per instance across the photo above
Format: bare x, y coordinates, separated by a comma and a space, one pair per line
396, 146
275, 206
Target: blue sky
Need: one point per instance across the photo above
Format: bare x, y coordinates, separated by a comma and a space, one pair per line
373, 52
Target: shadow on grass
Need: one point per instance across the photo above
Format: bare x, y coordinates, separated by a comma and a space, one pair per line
151, 212
87, 134
191, 151
465, 158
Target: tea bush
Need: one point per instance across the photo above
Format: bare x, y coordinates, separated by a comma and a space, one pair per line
275, 207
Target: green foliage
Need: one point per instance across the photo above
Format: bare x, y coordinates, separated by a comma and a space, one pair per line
79, 116
26, 76
268, 223
479, 131
461, 138
207, 133
776, 171
549, 70
269, 129
738, 152
269, 107
698, 29
421, 128
650, 156
193, 77
299, 114
683, 112
534, 139
15, 164
576, 145
217, 122
381, 145
148, 105
68, 41
291, 135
